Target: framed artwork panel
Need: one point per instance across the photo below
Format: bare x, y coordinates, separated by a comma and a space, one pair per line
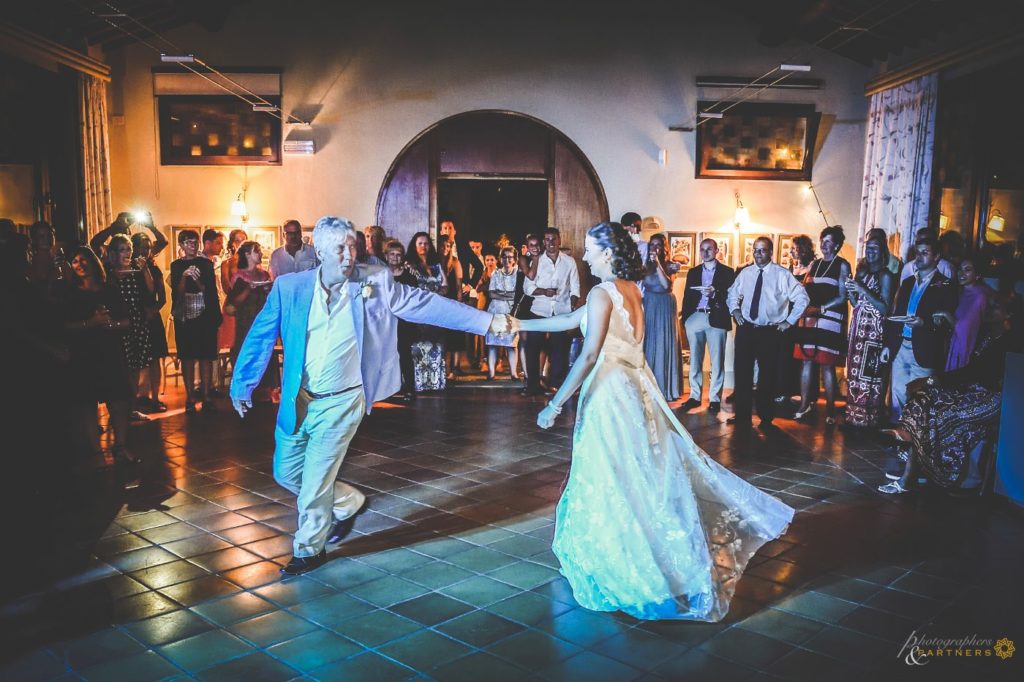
726, 246
757, 141
782, 246
682, 248
217, 130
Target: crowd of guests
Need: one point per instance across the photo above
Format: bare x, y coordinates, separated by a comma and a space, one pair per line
920, 342
922, 351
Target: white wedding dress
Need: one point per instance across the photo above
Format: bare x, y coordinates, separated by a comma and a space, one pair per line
649, 524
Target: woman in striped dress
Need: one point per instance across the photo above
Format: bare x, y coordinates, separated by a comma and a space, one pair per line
821, 333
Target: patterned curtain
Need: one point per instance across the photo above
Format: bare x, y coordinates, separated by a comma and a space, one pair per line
898, 159
92, 105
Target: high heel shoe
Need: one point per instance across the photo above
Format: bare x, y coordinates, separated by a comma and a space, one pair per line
800, 414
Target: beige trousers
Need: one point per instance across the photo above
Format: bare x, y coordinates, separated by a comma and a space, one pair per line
307, 462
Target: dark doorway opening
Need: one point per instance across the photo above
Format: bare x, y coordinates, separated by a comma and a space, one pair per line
488, 210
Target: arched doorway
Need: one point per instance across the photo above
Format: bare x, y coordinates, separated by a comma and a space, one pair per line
462, 164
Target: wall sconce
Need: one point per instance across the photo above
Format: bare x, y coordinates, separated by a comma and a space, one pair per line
943, 222
996, 221
741, 218
239, 209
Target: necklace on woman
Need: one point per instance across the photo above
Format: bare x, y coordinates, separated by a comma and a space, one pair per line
827, 267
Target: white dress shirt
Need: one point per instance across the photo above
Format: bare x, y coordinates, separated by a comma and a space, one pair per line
943, 266
332, 351
778, 289
562, 275
282, 262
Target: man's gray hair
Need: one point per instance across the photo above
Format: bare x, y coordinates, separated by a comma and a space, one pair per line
330, 232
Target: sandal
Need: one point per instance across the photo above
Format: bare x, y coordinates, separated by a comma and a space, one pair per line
800, 414
893, 488
190, 407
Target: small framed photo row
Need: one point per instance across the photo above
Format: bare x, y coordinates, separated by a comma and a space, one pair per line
726, 246
682, 248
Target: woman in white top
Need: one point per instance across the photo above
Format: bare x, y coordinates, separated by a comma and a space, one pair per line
501, 295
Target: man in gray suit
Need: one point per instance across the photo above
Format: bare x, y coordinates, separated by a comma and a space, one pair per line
338, 325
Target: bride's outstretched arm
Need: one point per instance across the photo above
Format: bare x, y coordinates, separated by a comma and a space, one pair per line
598, 311
558, 323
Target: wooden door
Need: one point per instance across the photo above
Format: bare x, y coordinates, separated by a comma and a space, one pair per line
491, 144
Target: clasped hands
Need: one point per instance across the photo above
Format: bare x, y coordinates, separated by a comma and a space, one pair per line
504, 324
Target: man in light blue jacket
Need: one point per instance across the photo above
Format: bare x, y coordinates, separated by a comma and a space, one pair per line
338, 326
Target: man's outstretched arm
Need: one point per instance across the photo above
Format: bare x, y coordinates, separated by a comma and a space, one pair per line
255, 353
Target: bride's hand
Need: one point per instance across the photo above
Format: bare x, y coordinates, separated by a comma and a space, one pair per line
546, 418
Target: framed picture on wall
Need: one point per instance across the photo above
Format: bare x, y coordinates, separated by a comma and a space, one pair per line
757, 141
782, 247
267, 238
217, 130
748, 247
682, 247
726, 248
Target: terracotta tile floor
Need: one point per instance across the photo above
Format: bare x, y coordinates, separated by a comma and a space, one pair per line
450, 576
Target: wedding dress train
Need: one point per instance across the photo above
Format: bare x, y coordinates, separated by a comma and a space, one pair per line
649, 524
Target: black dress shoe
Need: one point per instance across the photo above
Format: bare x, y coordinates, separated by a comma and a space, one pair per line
715, 407
530, 392
738, 421
342, 528
690, 404
766, 425
303, 564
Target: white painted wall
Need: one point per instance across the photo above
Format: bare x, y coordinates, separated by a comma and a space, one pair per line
612, 84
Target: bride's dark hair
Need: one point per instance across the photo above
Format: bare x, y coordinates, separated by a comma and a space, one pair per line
626, 263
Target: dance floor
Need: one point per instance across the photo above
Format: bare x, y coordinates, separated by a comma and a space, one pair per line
450, 575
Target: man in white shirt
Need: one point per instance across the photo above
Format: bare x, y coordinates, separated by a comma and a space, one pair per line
910, 268
294, 256
759, 301
555, 290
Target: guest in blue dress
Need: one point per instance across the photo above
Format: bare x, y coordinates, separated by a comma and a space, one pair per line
661, 342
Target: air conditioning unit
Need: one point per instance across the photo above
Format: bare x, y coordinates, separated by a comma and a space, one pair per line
299, 147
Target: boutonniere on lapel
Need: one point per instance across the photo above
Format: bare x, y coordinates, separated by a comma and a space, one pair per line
366, 290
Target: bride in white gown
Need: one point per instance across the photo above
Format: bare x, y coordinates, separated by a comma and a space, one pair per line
648, 524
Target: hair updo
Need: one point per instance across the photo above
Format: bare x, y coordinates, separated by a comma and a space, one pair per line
626, 263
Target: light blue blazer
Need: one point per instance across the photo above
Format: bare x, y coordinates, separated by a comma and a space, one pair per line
286, 316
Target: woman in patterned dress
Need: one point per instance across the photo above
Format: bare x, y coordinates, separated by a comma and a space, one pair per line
821, 336
871, 293
132, 278
948, 415
428, 352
